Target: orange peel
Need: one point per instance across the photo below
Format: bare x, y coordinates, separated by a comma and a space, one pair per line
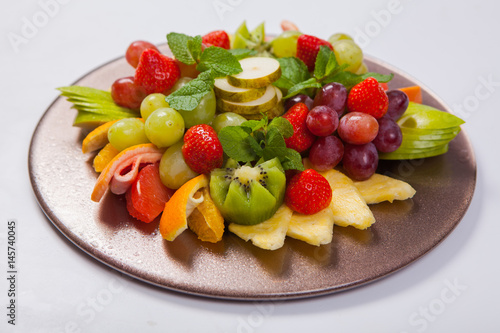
174, 219
105, 155
206, 221
98, 138
123, 169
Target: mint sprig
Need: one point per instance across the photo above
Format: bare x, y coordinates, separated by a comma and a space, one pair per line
256, 139
212, 62
296, 79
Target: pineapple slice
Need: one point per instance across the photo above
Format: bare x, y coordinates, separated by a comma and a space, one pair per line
315, 229
268, 235
348, 206
380, 188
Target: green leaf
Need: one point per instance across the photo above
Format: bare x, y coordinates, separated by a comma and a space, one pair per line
292, 160
293, 71
255, 125
242, 53
283, 126
178, 44
189, 96
236, 145
302, 86
326, 62
382, 78
221, 61
349, 79
194, 47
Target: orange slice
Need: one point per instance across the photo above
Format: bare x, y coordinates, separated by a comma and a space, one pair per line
174, 219
206, 221
123, 169
104, 156
98, 138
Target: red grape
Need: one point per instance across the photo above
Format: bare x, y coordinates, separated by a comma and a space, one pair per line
389, 136
135, 50
358, 128
398, 103
322, 120
360, 161
126, 93
333, 95
301, 98
326, 152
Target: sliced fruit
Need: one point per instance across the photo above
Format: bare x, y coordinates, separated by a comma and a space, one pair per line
105, 155
275, 111
123, 168
257, 72
380, 188
175, 214
234, 94
414, 93
268, 235
91, 120
262, 104
97, 139
316, 229
147, 196
411, 155
206, 220
241, 37
248, 195
423, 116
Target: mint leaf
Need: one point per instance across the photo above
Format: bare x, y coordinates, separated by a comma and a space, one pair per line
194, 47
235, 143
276, 147
178, 44
349, 79
293, 71
189, 96
302, 86
221, 61
255, 125
283, 125
381, 78
242, 53
326, 62
292, 160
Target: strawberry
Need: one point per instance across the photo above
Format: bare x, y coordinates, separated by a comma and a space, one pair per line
156, 72
368, 97
302, 138
217, 38
146, 197
308, 48
308, 192
202, 149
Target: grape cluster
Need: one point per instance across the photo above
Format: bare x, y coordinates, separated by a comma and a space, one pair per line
351, 138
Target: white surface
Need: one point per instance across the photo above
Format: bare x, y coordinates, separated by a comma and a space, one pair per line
451, 46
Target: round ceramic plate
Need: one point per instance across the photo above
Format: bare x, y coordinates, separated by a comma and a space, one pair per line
62, 178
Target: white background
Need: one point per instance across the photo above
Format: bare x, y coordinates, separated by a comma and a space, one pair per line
451, 46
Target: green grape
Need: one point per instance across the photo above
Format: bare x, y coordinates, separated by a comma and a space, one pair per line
338, 36
126, 133
164, 127
174, 171
285, 45
151, 103
180, 83
347, 52
227, 119
203, 113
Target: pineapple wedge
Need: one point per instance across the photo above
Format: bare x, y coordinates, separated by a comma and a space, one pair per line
380, 188
315, 229
348, 206
268, 235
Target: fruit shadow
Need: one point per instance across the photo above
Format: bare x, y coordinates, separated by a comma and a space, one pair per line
323, 255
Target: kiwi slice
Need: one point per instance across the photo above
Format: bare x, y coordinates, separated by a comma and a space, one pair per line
248, 195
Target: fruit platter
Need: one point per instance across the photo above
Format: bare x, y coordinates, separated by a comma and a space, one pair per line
243, 166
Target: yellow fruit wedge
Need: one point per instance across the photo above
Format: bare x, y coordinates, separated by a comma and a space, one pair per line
380, 188
105, 155
315, 229
257, 72
348, 206
98, 138
268, 235
206, 220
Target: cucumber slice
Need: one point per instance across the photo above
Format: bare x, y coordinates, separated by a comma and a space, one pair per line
257, 72
231, 93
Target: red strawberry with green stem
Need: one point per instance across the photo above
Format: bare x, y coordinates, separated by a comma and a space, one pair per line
217, 38
368, 97
156, 72
308, 192
202, 149
302, 137
308, 48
